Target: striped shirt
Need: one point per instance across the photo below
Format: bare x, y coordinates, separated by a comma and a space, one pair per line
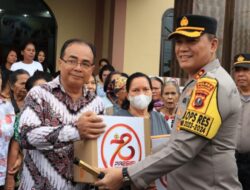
47, 131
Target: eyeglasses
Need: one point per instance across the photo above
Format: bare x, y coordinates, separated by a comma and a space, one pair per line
74, 63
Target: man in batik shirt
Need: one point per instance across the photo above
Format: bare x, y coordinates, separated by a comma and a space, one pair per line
55, 115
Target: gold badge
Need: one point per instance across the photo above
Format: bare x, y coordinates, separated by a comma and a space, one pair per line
184, 21
203, 89
240, 58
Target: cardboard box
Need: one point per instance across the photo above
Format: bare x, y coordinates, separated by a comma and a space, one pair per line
161, 183
125, 141
159, 139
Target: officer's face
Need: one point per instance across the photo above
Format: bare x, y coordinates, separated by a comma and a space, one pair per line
242, 78
194, 53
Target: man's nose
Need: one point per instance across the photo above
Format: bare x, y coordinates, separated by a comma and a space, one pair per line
183, 46
78, 66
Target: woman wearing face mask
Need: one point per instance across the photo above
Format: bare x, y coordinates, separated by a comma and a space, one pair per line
139, 103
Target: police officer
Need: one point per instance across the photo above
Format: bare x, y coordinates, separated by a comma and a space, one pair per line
242, 79
200, 152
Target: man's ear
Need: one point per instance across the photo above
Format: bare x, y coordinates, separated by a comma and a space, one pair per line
214, 44
92, 69
59, 62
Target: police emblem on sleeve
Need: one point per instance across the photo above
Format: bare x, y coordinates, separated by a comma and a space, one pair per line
202, 116
198, 102
202, 90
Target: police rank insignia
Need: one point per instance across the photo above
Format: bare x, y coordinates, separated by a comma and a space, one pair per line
202, 116
240, 58
184, 21
199, 74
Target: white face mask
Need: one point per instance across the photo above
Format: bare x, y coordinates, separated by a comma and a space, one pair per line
140, 102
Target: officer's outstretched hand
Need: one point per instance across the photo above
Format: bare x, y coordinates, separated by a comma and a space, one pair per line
90, 126
112, 180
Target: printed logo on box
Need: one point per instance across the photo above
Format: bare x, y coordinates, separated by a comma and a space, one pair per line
120, 146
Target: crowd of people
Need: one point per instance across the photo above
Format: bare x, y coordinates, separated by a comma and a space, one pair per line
210, 128
42, 114
17, 78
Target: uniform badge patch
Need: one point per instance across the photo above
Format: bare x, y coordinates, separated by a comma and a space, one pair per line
202, 94
202, 116
202, 90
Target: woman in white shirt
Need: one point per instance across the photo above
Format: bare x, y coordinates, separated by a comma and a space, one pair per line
28, 52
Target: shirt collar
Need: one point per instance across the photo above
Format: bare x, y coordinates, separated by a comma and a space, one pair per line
245, 98
208, 67
57, 84
202, 72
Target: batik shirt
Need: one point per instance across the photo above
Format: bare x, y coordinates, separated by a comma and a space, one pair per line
47, 127
7, 118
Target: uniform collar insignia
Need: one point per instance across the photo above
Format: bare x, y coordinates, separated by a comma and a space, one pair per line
199, 74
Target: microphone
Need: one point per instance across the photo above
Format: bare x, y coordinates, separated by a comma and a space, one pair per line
93, 171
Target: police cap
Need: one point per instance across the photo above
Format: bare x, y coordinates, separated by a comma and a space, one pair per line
193, 26
242, 60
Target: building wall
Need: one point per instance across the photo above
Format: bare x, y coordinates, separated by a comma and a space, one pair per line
143, 35
106, 29
75, 19
241, 28
215, 8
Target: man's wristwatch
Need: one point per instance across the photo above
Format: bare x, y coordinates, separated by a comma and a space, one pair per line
126, 179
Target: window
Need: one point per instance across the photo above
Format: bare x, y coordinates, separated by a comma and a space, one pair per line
166, 46
27, 19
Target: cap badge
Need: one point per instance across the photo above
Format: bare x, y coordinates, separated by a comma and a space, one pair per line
184, 21
240, 58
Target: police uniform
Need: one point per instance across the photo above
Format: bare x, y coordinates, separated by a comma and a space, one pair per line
243, 140
200, 152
